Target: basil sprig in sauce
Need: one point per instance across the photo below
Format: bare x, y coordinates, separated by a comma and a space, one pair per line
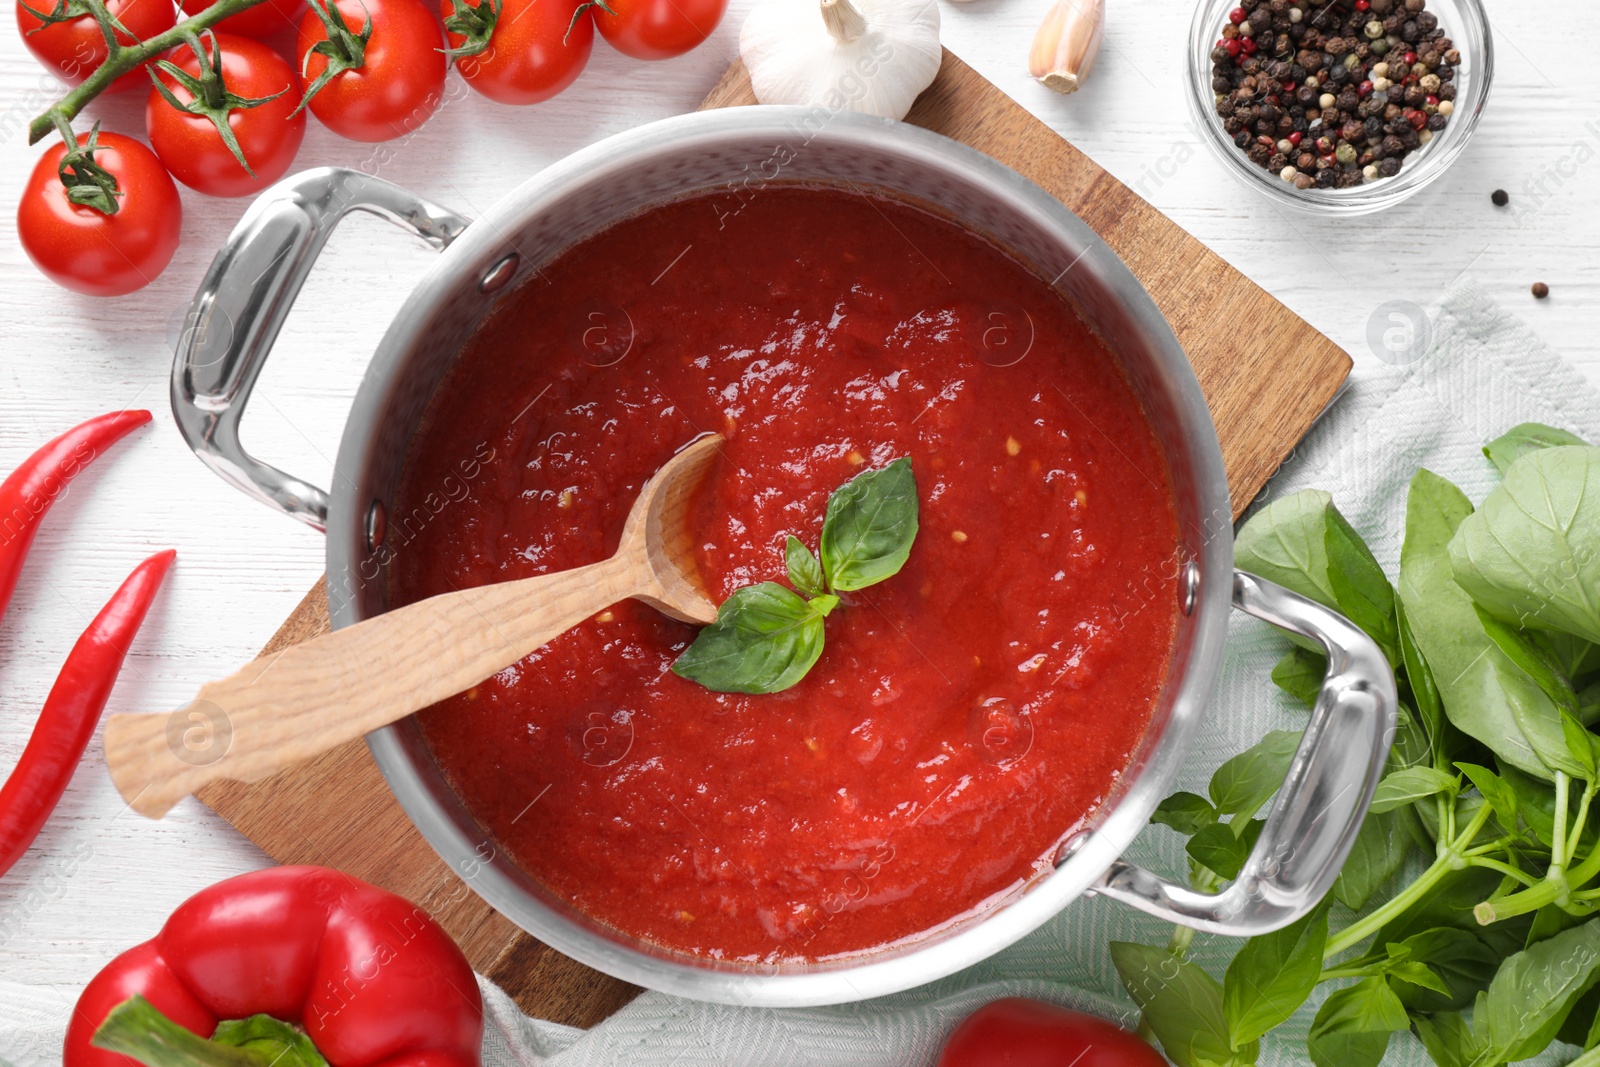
767, 636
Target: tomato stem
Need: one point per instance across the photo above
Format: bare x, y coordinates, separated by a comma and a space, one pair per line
121, 58
475, 22
343, 48
208, 96
87, 183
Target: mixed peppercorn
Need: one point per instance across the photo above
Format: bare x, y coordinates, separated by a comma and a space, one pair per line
1333, 94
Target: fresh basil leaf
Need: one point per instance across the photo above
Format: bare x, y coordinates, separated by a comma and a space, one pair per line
1353, 1026
1531, 554
1501, 797
1580, 746
1247, 781
1572, 654
1549, 921
1536, 662
1409, 786
1360, 588
1182, 1006
1457, 959
1534, 990
1379, 850
1286, 542
1272, 975
1186, 813
1300, 674
1536, 803
765, 639
805, 570
1217, 849
1448, 1039
1424, 690
1411, 972
1483, 693
1518, 441
870, 524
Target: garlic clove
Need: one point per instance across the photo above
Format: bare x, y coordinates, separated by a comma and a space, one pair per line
1066, 44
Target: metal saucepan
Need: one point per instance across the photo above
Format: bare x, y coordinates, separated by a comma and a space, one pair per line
248, 291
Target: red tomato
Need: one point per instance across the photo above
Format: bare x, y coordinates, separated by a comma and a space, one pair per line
399, 81
75, 47
263, 20
1025, 1033
91, 252
530, 57
268, 134
658, 29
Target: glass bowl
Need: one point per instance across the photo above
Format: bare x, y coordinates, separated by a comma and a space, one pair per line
1463, 21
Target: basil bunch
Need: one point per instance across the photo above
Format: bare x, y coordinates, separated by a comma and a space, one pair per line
1491, 952
766, 636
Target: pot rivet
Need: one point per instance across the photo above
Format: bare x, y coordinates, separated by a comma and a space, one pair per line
377, 525
496, 276
1189, 593
1069, 849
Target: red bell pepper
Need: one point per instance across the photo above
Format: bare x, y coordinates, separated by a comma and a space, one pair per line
1027, 1033
72, 710
365, 975
30, 490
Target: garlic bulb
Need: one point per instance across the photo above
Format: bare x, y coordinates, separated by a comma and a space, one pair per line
1068, 40
872, 56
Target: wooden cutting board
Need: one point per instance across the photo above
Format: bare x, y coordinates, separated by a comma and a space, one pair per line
1266, 375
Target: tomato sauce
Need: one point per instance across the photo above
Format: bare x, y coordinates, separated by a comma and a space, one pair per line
966, 715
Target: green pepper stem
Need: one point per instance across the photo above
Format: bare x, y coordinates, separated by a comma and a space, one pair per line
121, 58
137, 1028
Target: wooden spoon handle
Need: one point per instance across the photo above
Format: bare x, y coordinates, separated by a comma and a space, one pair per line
295, 704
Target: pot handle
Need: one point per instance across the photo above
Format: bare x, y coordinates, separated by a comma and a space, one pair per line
1324, 798
241, 305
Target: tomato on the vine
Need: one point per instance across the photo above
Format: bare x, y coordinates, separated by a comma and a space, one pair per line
66, 38
657, 29
243, 86
518, 51
263, 20
374, 69
80, 245
1027, 1033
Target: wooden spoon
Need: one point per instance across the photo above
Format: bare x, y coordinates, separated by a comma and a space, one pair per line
294, 704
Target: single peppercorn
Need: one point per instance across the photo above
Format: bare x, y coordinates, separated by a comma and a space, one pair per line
1540, 290
1500, 197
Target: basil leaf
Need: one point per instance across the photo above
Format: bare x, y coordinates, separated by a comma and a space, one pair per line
1216, 848
1536, 662
1483, 693
1448, 1039
805, 571
1353, 1026
1186, 813
1424, 691
1518, 441
1458, 962
1501, 797
870, 524
1410, 785
1272, 975
1534, 990
1360, 588
1247, 781
1286, 542
1379, 850
1410, 972
1549, 921
1536, 803
1532, 552
765, 639
1300, 674
1182, 1006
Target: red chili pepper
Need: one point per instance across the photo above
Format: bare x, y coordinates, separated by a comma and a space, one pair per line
1027, 1033
30, 490
72, 710
367, 976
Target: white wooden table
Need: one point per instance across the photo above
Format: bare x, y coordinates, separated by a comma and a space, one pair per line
99, 879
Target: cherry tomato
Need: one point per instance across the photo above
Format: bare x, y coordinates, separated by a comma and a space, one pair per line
397, 81
75, 47
86, 250
658, 29
1025, 1033
269, 134
265, 19
530, 56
